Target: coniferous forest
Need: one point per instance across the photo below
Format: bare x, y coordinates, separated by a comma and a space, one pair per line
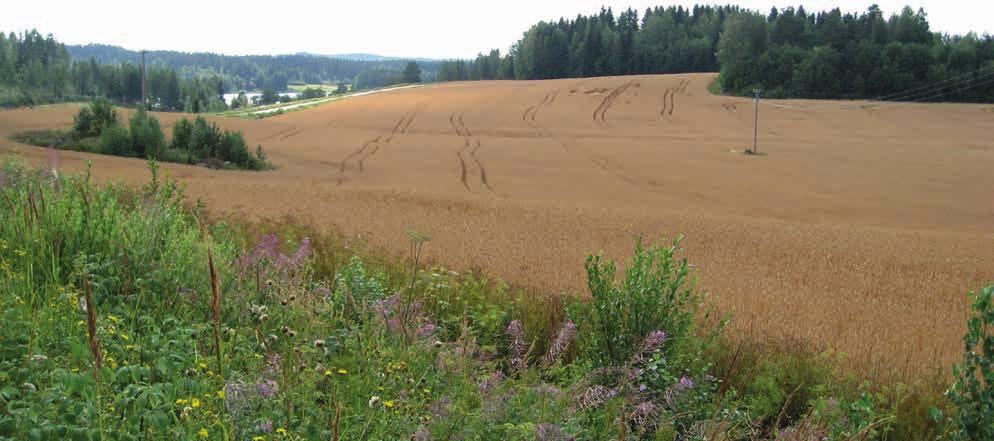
788, 53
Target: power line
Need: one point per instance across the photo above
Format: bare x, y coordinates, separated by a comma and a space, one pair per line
990, 81
929, 86
928, 92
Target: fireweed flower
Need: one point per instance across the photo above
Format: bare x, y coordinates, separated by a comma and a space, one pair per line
269, 388
562, 341
517, 345
645, 414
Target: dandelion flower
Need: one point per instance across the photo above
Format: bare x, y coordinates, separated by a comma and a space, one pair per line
195, 403
327, 373
203, 433
388, 404
343, 372
281, 431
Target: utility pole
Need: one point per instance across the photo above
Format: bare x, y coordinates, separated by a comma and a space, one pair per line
144, 95
755, 128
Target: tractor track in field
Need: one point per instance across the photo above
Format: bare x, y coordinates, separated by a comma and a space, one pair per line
278, 134
371, 147
669, 98
469, 150
291, 134
600, 113
532, 111
602, 163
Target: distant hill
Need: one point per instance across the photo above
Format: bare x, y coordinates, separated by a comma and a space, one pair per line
372, 57
244, 72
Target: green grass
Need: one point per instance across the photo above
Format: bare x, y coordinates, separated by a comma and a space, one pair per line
206, 329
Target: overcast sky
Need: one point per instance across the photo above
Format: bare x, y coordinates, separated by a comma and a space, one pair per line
427, 28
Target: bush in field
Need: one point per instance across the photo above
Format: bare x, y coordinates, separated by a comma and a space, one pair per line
312, 92
182, 132
115, 140
207, 143
94, 118
147, 139
657, 294
973, 391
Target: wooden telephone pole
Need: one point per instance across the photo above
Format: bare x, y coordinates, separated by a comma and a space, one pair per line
144, 94
755, 129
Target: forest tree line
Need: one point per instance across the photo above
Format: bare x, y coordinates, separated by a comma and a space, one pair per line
37, 69
788, 53
256, 72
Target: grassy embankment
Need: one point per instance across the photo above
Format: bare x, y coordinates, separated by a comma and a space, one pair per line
127, 315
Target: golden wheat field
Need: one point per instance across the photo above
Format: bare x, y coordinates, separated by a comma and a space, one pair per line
862, 229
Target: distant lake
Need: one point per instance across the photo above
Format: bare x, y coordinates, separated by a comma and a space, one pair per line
229, 97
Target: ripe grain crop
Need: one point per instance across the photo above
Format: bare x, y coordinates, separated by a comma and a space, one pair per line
859, 232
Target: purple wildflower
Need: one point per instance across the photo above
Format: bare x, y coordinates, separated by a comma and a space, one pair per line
426, 330
548, 432
652, 343
267, 248
273, 365
269, 388
265, 426
562, 341
517, 346
296, 259
674, 392
645, 414
491, 382
595, 396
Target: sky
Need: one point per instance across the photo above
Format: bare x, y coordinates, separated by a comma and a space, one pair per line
426, 28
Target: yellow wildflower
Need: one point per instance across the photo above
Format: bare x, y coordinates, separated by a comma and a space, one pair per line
343, 372
182, 402
202, 365
114, 318
220, 394
327, 373
203, 433
195, 403
281, 431
388, 404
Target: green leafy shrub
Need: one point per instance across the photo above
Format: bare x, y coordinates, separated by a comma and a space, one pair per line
657, 294
94, 118
115, 140
973, 391
207, 143
147, 139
